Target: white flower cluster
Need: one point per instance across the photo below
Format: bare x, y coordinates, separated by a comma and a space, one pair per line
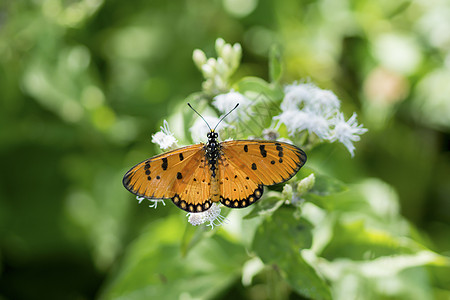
227, 101
164, 138
306, 107
212, 215
154, 202
218, 71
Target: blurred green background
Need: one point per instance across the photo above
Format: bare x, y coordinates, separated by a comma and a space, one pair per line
84, 84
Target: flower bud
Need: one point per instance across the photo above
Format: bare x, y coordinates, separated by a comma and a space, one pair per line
306, 184
219, 45
199, 58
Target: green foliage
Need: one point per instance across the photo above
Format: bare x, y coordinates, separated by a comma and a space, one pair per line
284, 231
84, 84
275, 64
204, 272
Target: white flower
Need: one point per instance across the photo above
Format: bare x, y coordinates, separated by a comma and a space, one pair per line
299, 120
226, 102
309, 96
306, 107
200, 129
295, 96
212, 215
316, 123
154, 203
346, 132
293, 119
165, 138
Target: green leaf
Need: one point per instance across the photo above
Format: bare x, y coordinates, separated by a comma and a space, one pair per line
265, 105
275, 66
257, 88
266, 206
358, 241
153, 267
324, 185
278, 241
192, 236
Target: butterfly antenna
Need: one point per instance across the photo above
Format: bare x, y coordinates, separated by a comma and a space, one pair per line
221, 119
200, 116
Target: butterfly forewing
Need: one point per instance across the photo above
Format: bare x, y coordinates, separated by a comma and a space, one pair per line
252, 164
264, 161
181, 175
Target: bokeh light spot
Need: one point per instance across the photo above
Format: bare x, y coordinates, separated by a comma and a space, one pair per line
240, 8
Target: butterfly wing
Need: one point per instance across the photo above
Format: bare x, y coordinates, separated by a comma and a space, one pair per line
246, 166
181, 175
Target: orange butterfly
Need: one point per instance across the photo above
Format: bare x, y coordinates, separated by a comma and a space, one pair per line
232, 172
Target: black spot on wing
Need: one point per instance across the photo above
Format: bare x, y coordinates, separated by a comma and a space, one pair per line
164, 163
193, 208
241, 203
262, 150
280, 150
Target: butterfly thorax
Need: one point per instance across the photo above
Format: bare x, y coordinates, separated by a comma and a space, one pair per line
212, 152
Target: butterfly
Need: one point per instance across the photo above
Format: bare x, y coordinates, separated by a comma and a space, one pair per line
231, 172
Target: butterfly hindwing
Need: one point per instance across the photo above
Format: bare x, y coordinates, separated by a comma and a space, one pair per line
181, 175
250, 164
237, 189
195, 188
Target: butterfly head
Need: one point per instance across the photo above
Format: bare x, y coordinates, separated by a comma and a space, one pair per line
212, 134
